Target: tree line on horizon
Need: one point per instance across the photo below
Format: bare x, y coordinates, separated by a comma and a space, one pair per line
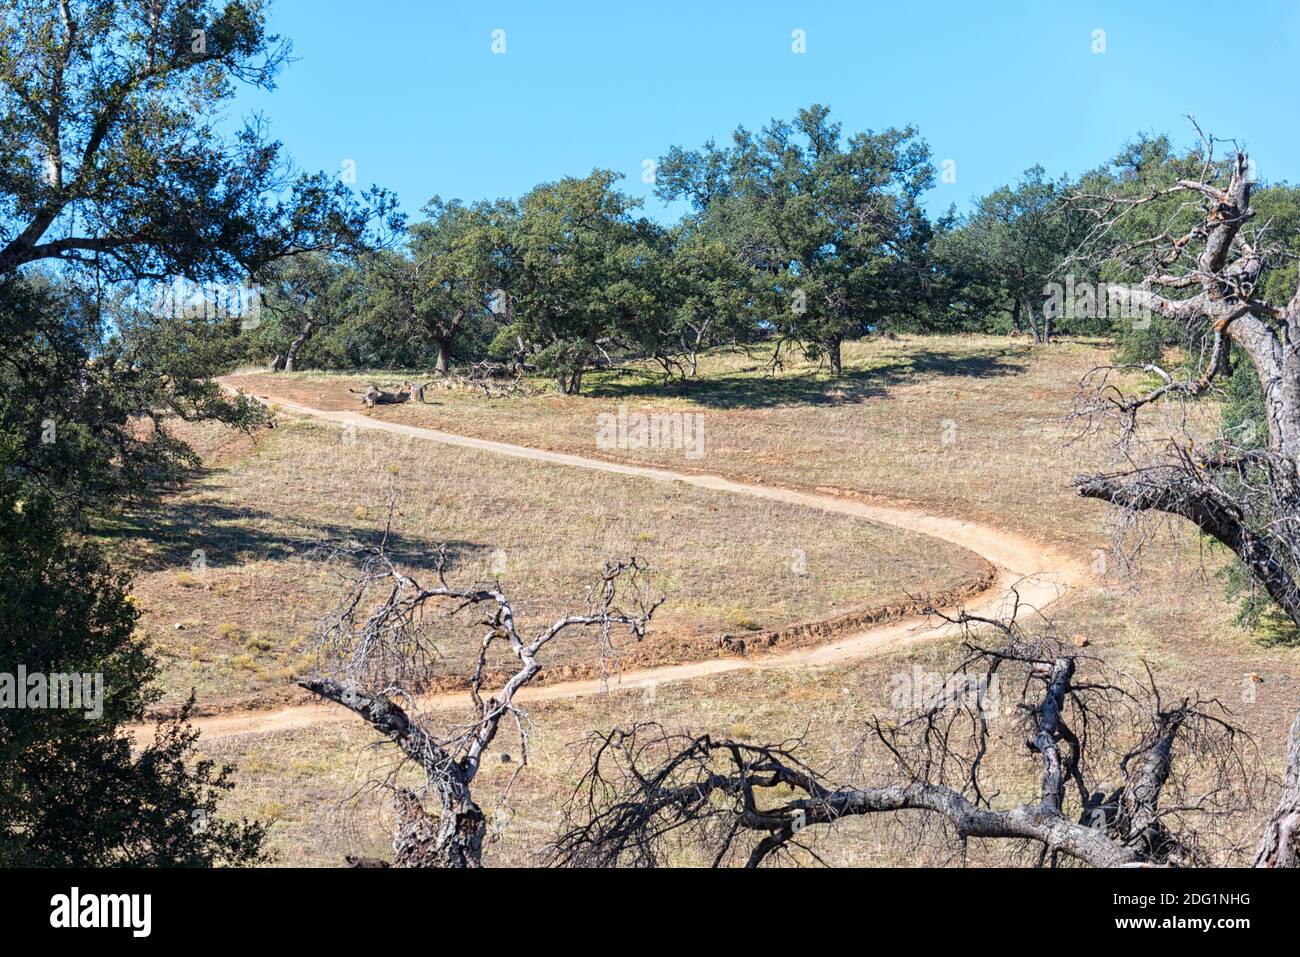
798, 235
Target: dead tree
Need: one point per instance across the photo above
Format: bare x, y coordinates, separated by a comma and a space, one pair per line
1246, 498
494, 379
1202, 272
1174, 767
1280, 845
382, 657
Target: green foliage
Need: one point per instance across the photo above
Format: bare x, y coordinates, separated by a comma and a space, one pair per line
831, 225
1278, 206
136, 174
72, 450
452, 283
88, 388
306, 298
72, 793
505, 344
709, 296
1009, 249
585, 271
82, 436
1244, 423
117, 175
1243, 415
1141, 343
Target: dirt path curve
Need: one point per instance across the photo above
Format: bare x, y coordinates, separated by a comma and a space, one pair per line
1039, 575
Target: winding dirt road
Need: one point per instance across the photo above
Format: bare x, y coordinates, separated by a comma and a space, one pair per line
1039, 575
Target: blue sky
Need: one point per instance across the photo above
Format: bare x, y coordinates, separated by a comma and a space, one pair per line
411, 92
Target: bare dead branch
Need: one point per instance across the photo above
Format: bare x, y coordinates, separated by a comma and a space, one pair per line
381, 656
647, 791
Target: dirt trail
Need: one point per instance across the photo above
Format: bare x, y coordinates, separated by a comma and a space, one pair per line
1039, 575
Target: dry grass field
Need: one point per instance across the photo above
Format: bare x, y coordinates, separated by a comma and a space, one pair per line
232, 560
962, 426
971, 426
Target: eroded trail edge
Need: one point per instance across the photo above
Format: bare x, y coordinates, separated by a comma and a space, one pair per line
1028, 571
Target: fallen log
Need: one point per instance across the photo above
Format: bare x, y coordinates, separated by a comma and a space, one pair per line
373, 395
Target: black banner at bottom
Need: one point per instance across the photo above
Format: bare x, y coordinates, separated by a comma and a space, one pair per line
338, 906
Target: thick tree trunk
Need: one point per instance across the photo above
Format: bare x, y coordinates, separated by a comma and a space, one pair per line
570, 383
1280, 845
454, 839
833, 349
1216, 518
1286, 409
1016, 325
444, 356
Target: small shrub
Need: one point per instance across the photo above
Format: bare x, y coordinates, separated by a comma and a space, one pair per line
1141, 346
260, 642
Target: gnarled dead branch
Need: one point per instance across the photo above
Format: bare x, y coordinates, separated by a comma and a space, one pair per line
1175, 766
1240, 489
381, 657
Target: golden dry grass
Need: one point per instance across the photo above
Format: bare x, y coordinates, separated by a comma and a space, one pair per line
970, 426
229, 559
880, 430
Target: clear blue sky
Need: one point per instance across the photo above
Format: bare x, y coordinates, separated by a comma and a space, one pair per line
411, 91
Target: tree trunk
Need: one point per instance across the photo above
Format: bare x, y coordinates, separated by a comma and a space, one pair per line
444, 355
696, 343
833, 350
571, 384
1033, 323
297, 344
1256, 527
1214, 515
444, 334
1016, 325
1280, 845
454, 839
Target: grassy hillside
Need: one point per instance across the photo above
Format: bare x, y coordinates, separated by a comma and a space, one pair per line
232, 559
963, 426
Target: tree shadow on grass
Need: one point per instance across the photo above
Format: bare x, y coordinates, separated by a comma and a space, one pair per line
752, 388
179, 534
